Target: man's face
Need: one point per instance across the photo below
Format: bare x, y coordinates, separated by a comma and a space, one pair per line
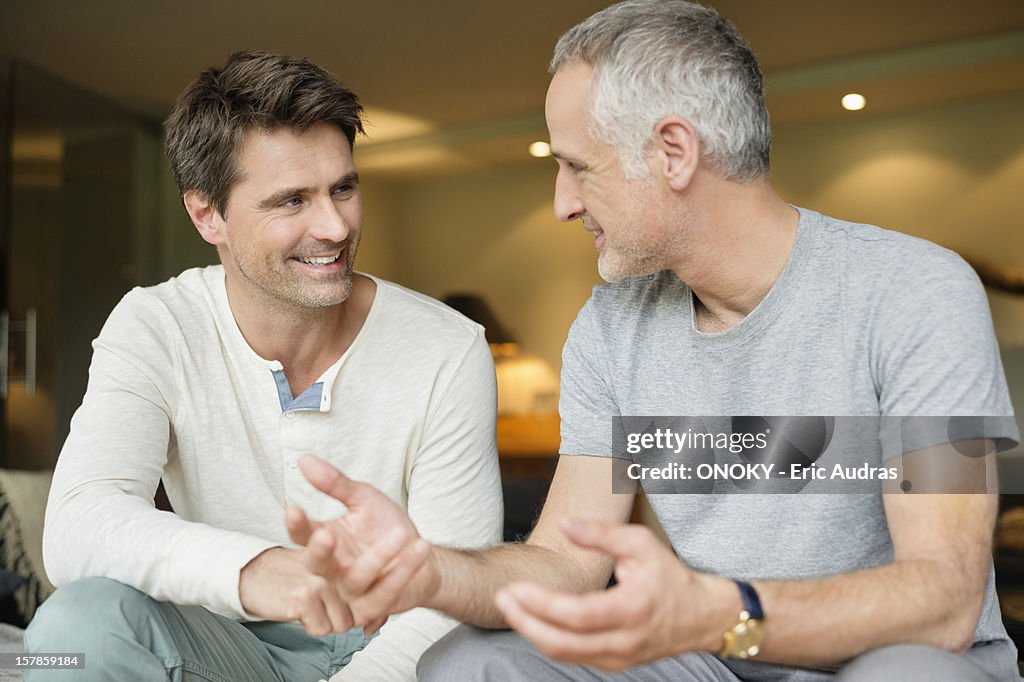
294, 219
625, 216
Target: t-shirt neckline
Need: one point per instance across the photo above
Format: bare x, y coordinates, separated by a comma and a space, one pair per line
774, 302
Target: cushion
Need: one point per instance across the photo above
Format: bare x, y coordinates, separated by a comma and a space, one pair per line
22, 508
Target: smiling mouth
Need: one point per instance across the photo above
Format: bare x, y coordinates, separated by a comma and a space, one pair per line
591, 226
320, 260
597, 232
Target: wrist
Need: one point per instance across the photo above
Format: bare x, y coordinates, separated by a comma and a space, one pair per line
746, 638
258, 568
255, 566
433, 596
722, 603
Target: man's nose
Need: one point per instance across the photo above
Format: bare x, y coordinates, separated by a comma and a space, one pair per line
568, 205
329, 222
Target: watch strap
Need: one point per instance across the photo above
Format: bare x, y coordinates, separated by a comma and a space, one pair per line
751, 602
744, 639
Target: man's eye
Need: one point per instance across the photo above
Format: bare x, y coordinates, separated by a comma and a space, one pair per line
293, 202
344, 189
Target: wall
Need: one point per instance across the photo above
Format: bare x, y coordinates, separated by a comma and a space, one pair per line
181, 246
495, 233
380, 250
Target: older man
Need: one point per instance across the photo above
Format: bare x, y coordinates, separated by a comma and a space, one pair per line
219, 379
724, 300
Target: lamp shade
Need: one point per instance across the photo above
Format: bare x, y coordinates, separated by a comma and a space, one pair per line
475, 308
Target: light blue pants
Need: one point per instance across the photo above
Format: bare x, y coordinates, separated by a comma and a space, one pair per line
127, 635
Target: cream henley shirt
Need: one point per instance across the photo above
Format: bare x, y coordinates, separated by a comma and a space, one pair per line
176, 392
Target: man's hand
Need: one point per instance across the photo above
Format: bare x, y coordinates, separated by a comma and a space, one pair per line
278, 585
373, 555
659, 607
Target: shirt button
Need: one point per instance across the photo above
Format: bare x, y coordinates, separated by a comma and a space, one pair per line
289, 415
293, 462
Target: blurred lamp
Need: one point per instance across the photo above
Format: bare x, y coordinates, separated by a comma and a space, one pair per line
526, 385
474, 307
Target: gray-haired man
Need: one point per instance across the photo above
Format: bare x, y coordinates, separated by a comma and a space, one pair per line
725, 300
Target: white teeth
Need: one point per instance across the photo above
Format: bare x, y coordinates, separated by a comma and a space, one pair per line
324, 260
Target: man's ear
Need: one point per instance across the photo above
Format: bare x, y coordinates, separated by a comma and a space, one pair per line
676, 151
205, 216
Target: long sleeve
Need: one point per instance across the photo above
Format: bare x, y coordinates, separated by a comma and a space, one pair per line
176, 392
100, 518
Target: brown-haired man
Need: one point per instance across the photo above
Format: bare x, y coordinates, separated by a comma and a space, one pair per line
219, 379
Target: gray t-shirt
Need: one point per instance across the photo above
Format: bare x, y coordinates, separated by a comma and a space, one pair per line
862, 322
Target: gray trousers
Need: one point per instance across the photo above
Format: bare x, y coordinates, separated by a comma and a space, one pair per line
126, 635
467, 654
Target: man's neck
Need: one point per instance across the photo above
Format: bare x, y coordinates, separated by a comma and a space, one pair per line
740, 245
305, 341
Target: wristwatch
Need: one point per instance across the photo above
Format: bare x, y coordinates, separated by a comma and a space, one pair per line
744, 639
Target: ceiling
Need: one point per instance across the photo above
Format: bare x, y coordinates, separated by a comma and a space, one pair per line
459, 84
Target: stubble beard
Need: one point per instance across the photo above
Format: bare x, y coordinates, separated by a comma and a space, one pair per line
645, 251
618, 263
279, 281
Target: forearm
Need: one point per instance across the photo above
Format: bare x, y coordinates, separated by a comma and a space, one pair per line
824, 622
102, 531
468, 580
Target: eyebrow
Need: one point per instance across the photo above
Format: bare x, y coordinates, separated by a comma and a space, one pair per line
278, 197
568, 159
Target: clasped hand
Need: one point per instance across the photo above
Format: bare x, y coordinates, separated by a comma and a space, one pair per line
372, 558
657, 609
375, 562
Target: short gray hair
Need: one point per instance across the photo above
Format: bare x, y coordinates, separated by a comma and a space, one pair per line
657, 58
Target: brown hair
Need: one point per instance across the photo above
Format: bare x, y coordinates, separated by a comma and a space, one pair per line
253, 90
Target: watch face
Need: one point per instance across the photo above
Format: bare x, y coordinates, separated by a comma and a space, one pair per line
747, 638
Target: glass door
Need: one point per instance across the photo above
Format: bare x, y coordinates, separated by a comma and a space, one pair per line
68, 252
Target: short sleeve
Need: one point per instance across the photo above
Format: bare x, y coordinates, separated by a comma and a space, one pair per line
936, 353
586, 403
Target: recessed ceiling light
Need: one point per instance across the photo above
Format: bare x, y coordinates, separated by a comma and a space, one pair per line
540, 149
853, 102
